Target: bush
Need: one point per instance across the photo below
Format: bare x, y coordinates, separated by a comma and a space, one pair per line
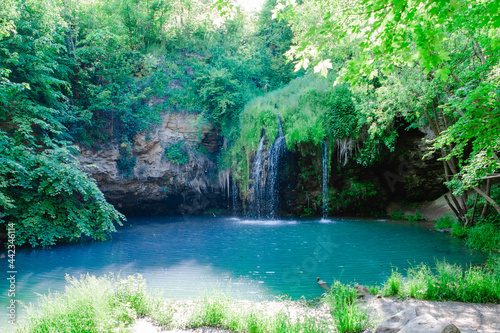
126, 160
398, 215
342, 116
176, 153
458, 230
416, 217
484, 236
445, 222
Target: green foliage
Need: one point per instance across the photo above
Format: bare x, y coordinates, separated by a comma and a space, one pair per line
274, 38
447, 283
398, 215
484, 236
345, 310
48, 197
221, 95
342, 117
445, 222
353, 197
393, 285
415, 217
217, 310
434, 63
44, 193
110, 90
91, 304
176, 153
126, 160
458, 230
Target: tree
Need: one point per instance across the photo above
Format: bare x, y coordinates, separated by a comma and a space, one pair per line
43, 192
438, 58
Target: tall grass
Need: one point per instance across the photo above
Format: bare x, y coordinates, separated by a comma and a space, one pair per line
216, 310
447, 283
92, 304
345, 310
484, 236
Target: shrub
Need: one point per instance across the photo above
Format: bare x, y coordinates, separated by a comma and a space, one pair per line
484, 236
342, 117
458, 230
445, 221
126, 160
176, 153
398, 215
416, 217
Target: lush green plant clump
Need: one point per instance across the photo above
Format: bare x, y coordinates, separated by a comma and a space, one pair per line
447, 283
400, 215
344, 307
95, 304
176, 153
445, 222
483, 235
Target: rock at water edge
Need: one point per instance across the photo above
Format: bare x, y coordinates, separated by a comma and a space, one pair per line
428, 324
395, 323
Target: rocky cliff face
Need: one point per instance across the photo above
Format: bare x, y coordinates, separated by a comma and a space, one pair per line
156, 184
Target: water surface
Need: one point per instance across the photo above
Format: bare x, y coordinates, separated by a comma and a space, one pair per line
249, 259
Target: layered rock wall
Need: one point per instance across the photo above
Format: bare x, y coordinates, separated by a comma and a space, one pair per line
157, 185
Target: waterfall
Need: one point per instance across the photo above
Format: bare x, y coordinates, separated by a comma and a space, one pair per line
345, 148
258, 188
273, 160
325, 179
235, 196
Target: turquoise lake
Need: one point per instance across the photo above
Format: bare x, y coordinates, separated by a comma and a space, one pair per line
249, 259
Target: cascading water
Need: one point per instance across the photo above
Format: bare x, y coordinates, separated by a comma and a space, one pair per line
325, 179
235, 197
258, 188
276, 151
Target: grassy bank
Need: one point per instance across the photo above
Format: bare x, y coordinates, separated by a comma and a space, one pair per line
105, 304
447, 283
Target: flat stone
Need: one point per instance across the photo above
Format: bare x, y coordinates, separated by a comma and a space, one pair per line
395, 323
428, 324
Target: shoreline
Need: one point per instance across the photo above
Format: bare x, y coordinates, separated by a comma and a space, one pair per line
468, 317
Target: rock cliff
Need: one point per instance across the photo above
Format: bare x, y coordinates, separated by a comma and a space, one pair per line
156, 184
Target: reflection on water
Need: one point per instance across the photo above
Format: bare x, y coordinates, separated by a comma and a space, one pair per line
249, 259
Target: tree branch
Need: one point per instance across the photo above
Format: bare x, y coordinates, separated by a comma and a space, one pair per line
487, 198
485, 208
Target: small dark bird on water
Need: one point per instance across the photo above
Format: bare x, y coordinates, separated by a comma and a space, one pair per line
323, 284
